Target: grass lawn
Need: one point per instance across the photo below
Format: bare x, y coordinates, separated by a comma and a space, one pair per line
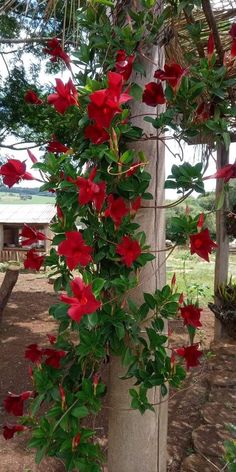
195, 277
14, 198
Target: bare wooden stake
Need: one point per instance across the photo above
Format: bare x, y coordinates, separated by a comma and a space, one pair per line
7, 286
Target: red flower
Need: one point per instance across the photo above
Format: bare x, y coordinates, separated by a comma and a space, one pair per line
124, 64
95, 382
34, 353
129, 249
91, 192
105, 104
9, 431
83, 302
181, 298
52, 339
228, 172
191, 315
33, 260
204, 112
202, 244
135, 205
63, 397
233, 50
60, 213
190, 354
53, 357
200, 221
153, 94
32, 98
173, 280
173, 75
117, 209
32, 157
14, 171
96, 134
55, 50
210, 47
76, 440
55, 146
75, 250
66, 95
232, 30
31, 235
14, 404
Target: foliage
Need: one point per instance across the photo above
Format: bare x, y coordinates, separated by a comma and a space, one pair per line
230, 448
227, 294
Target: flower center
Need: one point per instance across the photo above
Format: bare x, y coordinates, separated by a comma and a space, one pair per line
198, 243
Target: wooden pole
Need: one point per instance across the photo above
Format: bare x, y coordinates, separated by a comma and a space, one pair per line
137, 443
222, 238
7, 286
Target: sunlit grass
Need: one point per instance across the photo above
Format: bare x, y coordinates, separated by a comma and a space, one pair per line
195, 277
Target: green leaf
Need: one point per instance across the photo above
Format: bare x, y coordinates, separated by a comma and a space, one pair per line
40, 454
36, 403
136, 91
105, 2
80, 412
150, 300
98, 285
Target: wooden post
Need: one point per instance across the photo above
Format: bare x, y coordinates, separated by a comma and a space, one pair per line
137, 443
7, 286
222, 239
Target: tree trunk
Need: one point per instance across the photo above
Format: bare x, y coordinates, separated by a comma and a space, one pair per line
7, 286
222, 238
137, 443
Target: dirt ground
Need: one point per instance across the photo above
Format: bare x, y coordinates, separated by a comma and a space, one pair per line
26, 321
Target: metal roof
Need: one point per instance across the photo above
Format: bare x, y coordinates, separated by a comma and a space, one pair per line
40, 214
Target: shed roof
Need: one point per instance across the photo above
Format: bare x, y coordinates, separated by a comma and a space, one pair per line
37, 214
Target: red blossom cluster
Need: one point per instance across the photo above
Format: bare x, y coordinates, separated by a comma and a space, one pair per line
83, 302
124, 64
31, 235
173, 74
64, 97
227, 172
104, 105
90, 191
202, 244
14, 404
56, 146
129, 250
35, 354
10, 430
191, 355
33, 260
75, 250
14, 171
191, 315
55, 50
32, 98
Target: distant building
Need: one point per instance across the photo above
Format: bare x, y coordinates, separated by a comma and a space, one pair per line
12, 219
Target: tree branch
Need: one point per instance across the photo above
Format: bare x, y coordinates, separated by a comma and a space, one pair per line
206, 5
14, 148
39, 40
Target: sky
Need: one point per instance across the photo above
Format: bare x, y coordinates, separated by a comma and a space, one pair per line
191, 154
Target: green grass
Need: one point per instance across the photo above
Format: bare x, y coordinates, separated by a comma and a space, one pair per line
14, 199
195, 277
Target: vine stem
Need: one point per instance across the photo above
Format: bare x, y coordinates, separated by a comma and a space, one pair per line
170, 205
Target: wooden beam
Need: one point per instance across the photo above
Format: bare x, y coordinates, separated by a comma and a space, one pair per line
222, 238
7, 286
